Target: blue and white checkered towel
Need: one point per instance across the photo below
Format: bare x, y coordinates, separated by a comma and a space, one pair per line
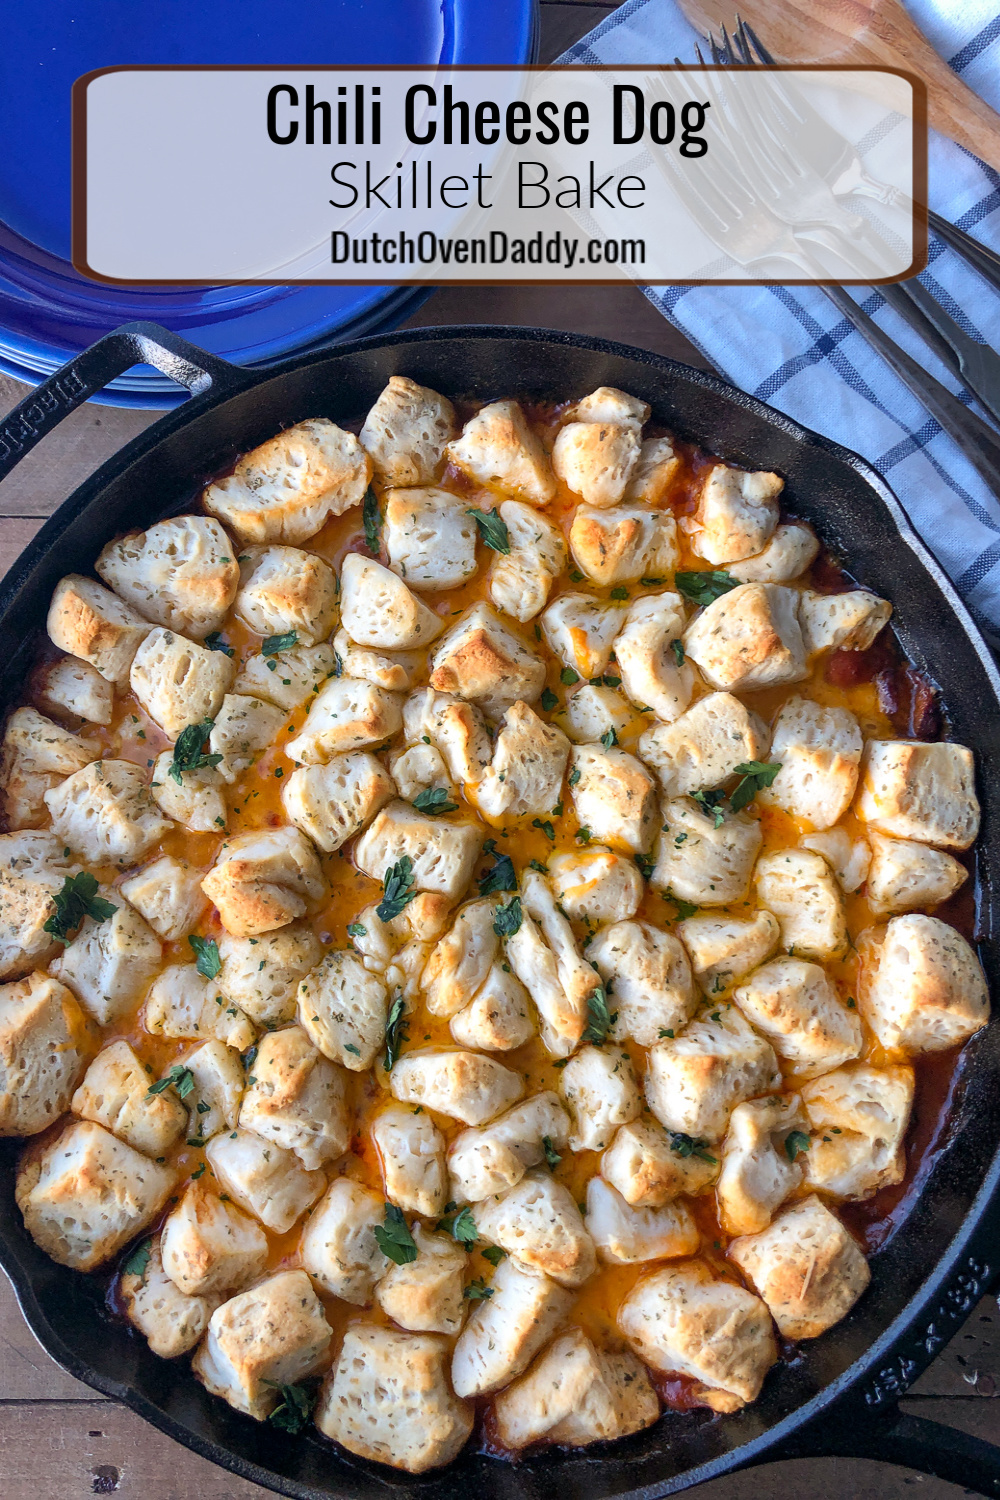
790, 346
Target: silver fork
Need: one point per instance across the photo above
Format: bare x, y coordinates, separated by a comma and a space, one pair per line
745, 226
975, 363
835, 158
751, 235
787, 183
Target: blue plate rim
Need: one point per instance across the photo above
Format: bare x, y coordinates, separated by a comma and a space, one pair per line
504, 33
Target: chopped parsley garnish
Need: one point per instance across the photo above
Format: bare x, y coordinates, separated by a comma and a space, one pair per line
179, 1078
214, 642
276, 643
685, 909
535, 864
711, 804
677, 647
567, 677
477, 1291
646, 865
494, 1254
609, 738
546, 828
796, 1141
462, 1227
501, 877
350, 1047
357, 929
77, 899
206, 950
754, 774
373, 522
295, 1407
552, 1157
582, 835
492, 530
651, 583
188, 751
705, 588
398, 889
666, 1031
393, 1237
691, 1145
599, 1018
619, 593
507, 918
396, 1032
434, 799
548, 700
138, 1261
574, 776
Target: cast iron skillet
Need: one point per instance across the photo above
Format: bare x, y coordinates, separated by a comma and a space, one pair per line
839, 1394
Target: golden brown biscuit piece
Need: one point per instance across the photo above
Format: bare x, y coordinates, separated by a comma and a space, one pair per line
44, 1046
806, 1266
388, 1399
87, 620
498, 449
685, 1320
181, 573
289, 487
914, 790
264, 880
406, 431
274, 1335
85, 1194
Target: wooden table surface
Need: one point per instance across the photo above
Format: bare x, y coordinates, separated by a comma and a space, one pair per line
59, 1440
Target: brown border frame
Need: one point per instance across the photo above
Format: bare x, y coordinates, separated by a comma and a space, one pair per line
78, 169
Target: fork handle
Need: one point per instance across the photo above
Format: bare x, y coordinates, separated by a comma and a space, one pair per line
866, 32
984, 260
978, 441
976, 364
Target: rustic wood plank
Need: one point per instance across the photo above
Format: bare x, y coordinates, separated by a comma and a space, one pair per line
79, 445
70, 1451
969, 1414
970, 1364
619, 312
73, 1452
26, 1372
827, 1479
15, 534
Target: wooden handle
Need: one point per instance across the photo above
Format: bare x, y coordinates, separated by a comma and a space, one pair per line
861, 31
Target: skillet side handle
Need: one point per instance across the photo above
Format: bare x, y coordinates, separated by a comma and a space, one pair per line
69, 387
930, 1447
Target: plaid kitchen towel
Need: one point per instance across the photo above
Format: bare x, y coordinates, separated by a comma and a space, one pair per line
790, 346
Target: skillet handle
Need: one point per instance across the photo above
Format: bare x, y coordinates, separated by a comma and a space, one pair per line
931, 1447
69, 387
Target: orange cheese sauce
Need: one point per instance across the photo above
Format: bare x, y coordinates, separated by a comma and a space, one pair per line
868, 685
